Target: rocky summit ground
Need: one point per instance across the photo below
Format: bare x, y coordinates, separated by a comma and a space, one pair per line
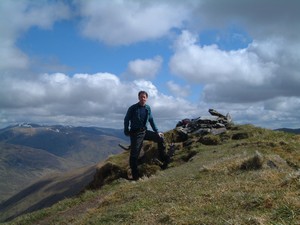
246, 175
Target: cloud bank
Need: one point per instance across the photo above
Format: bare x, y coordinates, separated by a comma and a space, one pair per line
258, 83
100, 99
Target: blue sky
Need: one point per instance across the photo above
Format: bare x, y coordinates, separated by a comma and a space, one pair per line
83, 62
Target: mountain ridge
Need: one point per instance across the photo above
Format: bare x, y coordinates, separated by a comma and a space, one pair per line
289, 130
247, 175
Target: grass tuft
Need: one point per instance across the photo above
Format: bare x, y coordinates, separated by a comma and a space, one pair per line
253, 163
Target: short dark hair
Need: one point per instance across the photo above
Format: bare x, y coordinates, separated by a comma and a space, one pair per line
143, 93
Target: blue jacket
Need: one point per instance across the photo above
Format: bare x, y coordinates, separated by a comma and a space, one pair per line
136, 123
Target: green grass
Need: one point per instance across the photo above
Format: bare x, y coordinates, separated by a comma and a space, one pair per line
205, 184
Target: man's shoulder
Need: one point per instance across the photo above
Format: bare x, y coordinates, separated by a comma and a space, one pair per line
134, 106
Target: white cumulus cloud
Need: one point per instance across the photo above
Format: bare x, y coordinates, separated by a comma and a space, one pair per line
178, 90
16, 17
144, 68
263, 70
126, 22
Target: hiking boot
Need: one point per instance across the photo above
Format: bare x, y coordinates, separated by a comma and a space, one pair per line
164, 165
166, 162
135, 176
135, 179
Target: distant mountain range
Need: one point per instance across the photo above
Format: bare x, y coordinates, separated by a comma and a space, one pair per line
289, 130
30, 151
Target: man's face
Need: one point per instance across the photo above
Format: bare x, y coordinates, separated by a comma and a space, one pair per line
142, 99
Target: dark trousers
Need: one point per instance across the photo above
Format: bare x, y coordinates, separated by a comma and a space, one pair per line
136, 146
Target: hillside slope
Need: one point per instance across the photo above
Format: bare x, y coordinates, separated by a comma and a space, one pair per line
20, 164
46, 192
31, 151
247, 175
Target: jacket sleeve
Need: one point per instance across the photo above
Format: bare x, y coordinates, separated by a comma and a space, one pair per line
151, 121
126, 120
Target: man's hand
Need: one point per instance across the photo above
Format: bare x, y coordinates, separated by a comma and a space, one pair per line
126, 132
161, 134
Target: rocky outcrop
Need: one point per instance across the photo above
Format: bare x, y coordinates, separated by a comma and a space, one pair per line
217, 123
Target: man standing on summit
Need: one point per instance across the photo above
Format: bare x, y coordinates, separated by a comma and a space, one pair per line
138, 115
